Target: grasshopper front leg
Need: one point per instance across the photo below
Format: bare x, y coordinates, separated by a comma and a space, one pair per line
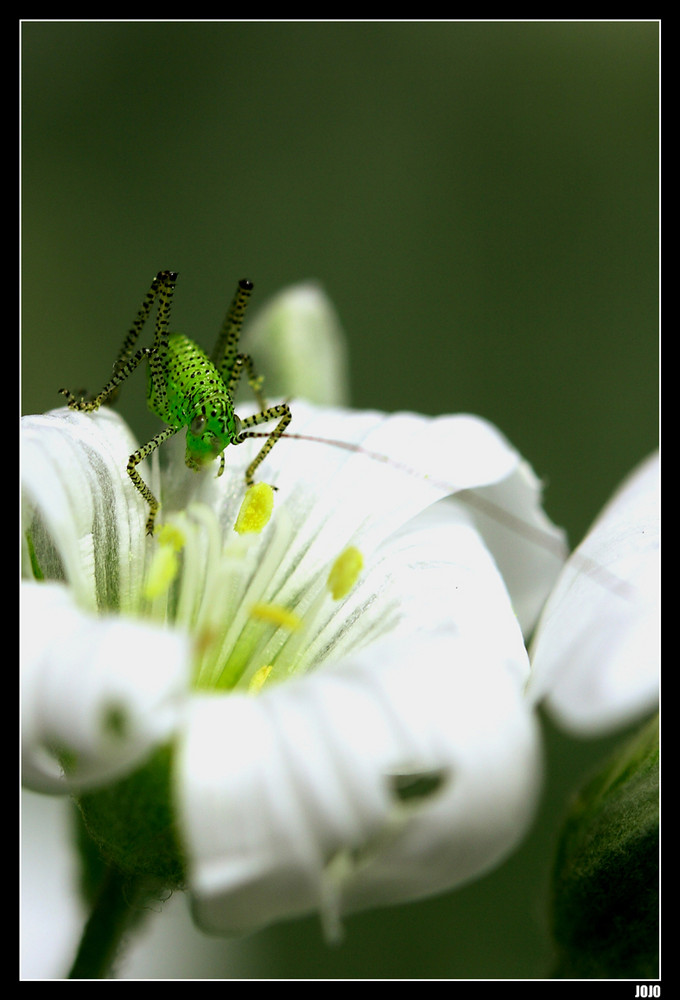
139, 483
280, 411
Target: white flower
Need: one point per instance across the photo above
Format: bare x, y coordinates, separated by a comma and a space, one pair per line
399, 758
596, 652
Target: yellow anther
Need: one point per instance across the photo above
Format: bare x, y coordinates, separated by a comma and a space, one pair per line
345, 572
162, 571
274, 614
256, 509
204, 641
172, 536
258, 679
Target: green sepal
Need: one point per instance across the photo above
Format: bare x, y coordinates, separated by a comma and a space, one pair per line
606, 877
132, 824
92, 866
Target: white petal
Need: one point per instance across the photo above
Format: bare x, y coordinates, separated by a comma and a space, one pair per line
52, 913
104, 691
436, 569
87, 518
596, 652
529, 550
287, 802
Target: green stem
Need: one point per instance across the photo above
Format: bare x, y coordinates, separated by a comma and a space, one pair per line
114, 907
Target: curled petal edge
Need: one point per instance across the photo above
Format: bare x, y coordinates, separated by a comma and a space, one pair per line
98, 693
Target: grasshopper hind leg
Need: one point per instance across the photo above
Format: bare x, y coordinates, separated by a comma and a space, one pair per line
162, 288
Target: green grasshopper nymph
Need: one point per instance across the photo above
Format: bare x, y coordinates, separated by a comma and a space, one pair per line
186, 388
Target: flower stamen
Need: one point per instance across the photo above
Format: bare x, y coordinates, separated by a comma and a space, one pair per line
258, 679
165, 563
294, 655
256, 509
345, 572
274, 614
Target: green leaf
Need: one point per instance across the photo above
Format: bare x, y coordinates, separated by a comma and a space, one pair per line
606, 879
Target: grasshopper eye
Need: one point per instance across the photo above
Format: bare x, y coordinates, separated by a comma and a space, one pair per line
197, 424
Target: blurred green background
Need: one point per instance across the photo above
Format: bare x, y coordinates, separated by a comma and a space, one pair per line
480, 201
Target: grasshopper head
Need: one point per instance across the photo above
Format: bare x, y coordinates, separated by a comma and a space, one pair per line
213, 426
